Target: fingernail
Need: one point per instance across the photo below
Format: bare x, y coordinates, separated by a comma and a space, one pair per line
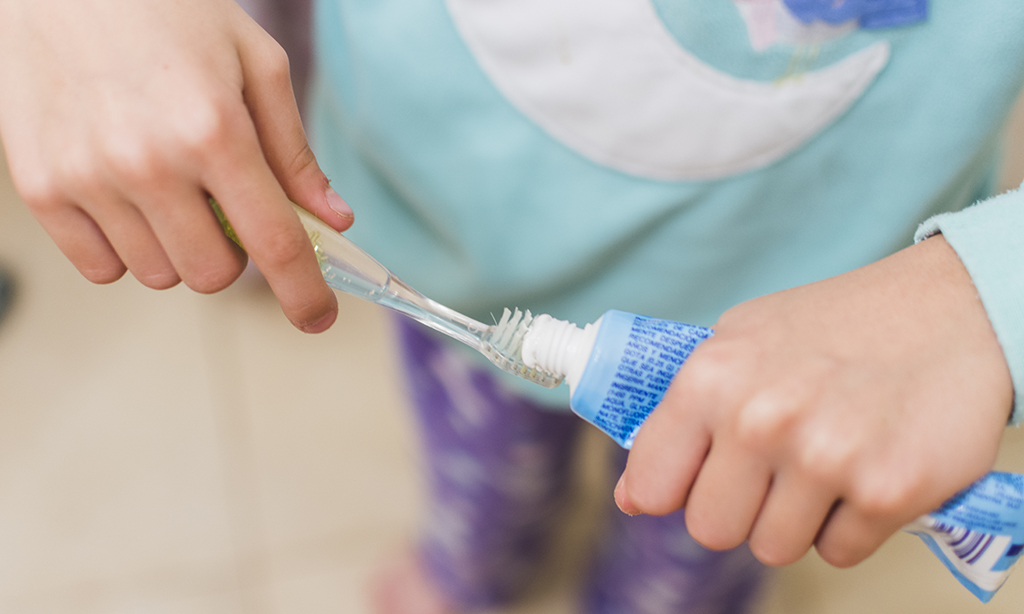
338, 204
320, 325
622, 500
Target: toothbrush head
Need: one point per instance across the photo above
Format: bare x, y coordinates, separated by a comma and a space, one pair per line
503, 345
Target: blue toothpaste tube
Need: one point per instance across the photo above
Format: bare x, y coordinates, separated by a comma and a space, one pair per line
979, 533
618, 370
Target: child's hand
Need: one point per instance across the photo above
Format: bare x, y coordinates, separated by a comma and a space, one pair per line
119, 117
831, 414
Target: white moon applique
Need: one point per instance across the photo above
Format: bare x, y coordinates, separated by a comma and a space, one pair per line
608, 80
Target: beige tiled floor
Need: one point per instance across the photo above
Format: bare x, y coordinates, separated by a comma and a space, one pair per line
171, 452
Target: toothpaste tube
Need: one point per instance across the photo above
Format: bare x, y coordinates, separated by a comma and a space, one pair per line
979, 533
618, 370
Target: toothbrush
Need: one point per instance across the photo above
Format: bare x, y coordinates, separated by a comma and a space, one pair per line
348, 268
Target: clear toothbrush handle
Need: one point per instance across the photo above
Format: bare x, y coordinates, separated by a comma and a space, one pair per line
344, 265
348, 268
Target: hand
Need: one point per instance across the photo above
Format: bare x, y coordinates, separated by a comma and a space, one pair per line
831, 414
120, 117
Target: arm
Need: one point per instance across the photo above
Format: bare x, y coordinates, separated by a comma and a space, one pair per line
830, 414
119, 117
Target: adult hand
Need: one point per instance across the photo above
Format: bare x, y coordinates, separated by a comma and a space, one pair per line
120, 117
831, 414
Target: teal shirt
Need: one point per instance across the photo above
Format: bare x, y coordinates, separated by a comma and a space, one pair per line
473, 202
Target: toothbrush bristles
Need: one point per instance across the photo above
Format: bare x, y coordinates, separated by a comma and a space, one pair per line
504, 319
507, 336
505, 344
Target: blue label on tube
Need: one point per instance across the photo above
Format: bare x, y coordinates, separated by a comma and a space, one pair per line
633, 361
979, 533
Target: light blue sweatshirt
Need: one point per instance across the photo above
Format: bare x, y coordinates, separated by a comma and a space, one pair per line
491, 164
989, 238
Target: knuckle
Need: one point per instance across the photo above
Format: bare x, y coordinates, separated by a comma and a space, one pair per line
825, 460
39, 189
204, 127
270, 59
303, 161
282, 248
210, 132
761, 422
131, 162
883, 495
274, 63
713, 373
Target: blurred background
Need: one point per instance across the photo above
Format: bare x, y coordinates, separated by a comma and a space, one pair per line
173, 452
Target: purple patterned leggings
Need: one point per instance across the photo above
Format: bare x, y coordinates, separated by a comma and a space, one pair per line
498, 471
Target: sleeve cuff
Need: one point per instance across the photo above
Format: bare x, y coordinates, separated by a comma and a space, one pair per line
989, 239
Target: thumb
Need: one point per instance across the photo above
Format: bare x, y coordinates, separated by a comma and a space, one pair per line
271, 101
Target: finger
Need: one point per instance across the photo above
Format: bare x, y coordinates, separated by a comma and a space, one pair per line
205, 259
253, 201
82, 242
271, 101
790, 519
726, 497
135, 243
664, 461
674, 440
850, 536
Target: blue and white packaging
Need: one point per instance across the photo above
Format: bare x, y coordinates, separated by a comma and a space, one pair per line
631, 367
617, 368
979, 533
